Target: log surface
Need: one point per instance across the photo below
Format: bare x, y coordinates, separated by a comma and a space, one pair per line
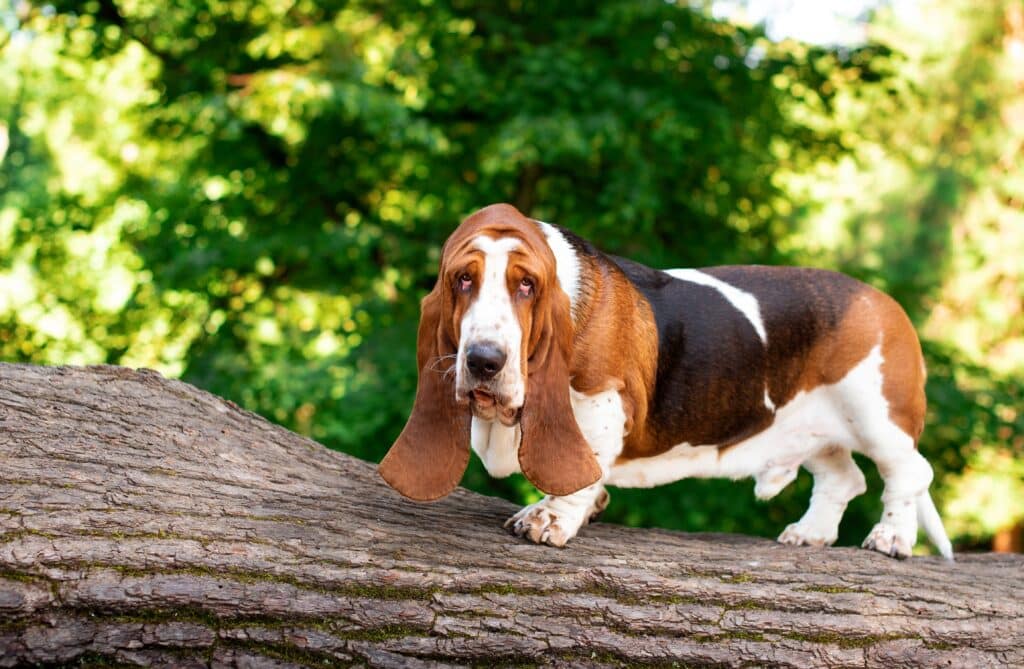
145, 522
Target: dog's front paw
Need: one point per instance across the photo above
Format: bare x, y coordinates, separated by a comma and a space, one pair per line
807, 534
541, 525
886, 539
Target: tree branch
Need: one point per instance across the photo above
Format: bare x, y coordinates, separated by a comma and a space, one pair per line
143, 521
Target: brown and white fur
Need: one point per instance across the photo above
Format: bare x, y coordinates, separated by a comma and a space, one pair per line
583, 370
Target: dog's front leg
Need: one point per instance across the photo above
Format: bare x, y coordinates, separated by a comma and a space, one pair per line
555, 520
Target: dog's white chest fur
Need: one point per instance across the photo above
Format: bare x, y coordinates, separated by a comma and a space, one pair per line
601, 418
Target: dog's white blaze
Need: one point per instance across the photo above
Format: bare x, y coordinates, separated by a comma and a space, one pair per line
567, 264
497, 445
491, 318
741, 299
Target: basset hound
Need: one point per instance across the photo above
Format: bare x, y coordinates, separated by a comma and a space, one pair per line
582, 370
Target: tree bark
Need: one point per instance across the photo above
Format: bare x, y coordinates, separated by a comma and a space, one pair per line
145, 522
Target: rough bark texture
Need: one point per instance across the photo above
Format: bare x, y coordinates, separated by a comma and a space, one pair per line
143, 521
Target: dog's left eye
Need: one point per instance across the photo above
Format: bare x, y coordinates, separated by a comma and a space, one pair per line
526, 287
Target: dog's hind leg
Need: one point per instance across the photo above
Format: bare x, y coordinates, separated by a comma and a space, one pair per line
907, 476
837, 480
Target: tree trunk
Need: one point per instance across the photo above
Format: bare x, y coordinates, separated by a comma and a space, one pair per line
143, 521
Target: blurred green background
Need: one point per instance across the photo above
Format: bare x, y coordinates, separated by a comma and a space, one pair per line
251, 195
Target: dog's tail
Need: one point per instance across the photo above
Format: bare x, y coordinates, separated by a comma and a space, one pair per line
928, 518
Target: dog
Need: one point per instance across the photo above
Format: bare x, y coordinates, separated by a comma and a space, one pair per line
581, 370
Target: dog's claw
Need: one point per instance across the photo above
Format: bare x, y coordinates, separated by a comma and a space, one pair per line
886, 540
539, 525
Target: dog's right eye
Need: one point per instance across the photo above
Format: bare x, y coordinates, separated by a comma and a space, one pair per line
465, 282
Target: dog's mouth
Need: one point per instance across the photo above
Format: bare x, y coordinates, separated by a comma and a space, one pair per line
489, 406
482, 398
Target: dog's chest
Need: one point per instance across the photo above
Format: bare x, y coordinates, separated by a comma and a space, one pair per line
600, 416
496, 445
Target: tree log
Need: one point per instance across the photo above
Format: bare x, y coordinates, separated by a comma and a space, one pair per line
145, 522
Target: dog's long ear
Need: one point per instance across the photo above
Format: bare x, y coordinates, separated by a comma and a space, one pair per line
430, 455
553, 454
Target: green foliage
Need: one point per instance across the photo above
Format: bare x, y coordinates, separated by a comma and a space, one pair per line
252, 194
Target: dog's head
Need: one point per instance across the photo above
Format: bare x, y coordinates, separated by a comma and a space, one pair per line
495, 341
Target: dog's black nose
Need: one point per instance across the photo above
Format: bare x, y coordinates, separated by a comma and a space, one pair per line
484, 360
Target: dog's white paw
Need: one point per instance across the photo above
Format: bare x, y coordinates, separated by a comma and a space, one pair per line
541, 525
887, 539
807, 534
